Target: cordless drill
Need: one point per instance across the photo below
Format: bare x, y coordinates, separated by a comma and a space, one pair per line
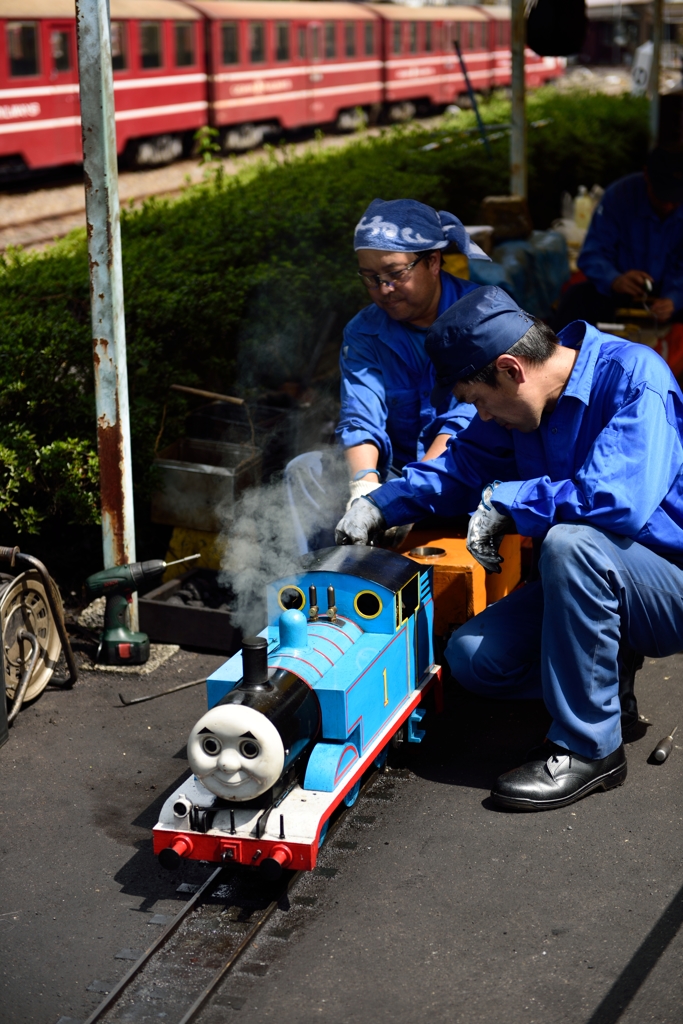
118, 644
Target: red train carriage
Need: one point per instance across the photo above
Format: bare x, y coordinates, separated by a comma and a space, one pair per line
159, 79
244, 67
421, 64
289, 64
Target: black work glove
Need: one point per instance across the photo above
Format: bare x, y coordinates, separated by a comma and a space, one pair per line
486, 531
360, 524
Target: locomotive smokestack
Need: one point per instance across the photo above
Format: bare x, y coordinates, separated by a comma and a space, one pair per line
254, 663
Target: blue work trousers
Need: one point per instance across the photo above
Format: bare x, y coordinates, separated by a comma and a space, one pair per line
559, 638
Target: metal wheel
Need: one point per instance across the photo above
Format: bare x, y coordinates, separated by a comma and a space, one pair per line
24, 605
352, 795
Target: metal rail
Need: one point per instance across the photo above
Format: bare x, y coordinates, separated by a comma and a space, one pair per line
190, 1014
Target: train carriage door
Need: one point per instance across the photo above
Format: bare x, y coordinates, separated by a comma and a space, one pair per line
315, 46
61, 68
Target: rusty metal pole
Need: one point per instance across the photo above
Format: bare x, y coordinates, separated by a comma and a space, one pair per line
518, 165
657, 32
100, 172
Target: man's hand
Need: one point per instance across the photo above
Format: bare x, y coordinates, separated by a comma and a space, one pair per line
360, 524
359, 488
632, 283
486, 531
662, 309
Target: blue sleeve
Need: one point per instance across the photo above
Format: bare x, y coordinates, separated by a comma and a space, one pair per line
363, 415
451, 484
451, 422
599, 253
630, 469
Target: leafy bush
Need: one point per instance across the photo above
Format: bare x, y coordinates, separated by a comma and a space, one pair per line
230, 286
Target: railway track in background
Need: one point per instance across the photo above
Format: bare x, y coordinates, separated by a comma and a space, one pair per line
184, 971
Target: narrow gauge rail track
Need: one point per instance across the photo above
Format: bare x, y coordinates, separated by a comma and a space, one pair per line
179, 973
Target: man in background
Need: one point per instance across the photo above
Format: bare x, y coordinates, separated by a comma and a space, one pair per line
633, 253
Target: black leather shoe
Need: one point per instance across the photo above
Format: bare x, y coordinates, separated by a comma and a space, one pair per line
558, 779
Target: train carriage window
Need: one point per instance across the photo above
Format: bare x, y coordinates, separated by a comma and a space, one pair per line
330, 39
315, 42
257, 42
229, 42
60, 45
184, 44
369, 39
301, 36
412, 36
502, 33
150, 44
22, 39
350, 39
282, 41
396, 41
470, 34
119, 49
428, 37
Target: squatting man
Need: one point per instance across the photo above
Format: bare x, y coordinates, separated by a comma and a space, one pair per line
577, 442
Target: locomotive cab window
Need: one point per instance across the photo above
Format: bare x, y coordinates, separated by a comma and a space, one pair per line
350, 39
282, 41
257, 42
60, 46
119, 49
291, 597
408, 599
368, 604
229, 44
150, 44
369, 39
22, 44
330, 39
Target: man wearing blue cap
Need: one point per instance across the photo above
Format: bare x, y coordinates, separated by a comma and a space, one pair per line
578, 442
386, 417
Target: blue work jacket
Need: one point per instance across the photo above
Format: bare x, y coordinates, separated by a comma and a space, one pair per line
626, 234
386, 384
609, 455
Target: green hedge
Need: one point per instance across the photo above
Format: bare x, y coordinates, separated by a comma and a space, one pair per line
228, 287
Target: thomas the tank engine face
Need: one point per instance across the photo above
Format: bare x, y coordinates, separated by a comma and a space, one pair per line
236, 752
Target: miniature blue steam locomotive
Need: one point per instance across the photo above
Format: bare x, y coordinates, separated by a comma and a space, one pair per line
299, 715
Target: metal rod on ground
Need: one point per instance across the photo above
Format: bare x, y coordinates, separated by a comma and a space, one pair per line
518, 165
163, 693
106, 284
657, 25
473, 98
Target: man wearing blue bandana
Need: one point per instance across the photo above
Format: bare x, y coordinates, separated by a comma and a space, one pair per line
387, 419
577, 442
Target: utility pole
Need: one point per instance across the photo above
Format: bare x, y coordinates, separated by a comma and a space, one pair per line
518, 154
106, 283
657, 26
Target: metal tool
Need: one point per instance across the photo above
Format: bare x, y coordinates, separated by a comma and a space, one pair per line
163, 693
664, 748
118, 644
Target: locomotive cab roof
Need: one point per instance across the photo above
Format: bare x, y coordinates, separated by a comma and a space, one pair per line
373, 565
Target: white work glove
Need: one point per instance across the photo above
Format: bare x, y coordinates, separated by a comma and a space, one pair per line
360, 525
359, 488
486, 531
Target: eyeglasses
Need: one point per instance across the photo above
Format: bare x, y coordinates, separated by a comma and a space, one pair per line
392, 278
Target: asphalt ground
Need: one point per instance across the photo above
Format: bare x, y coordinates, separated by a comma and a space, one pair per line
428, 904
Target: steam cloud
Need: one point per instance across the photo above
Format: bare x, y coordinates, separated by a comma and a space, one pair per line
273, 525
